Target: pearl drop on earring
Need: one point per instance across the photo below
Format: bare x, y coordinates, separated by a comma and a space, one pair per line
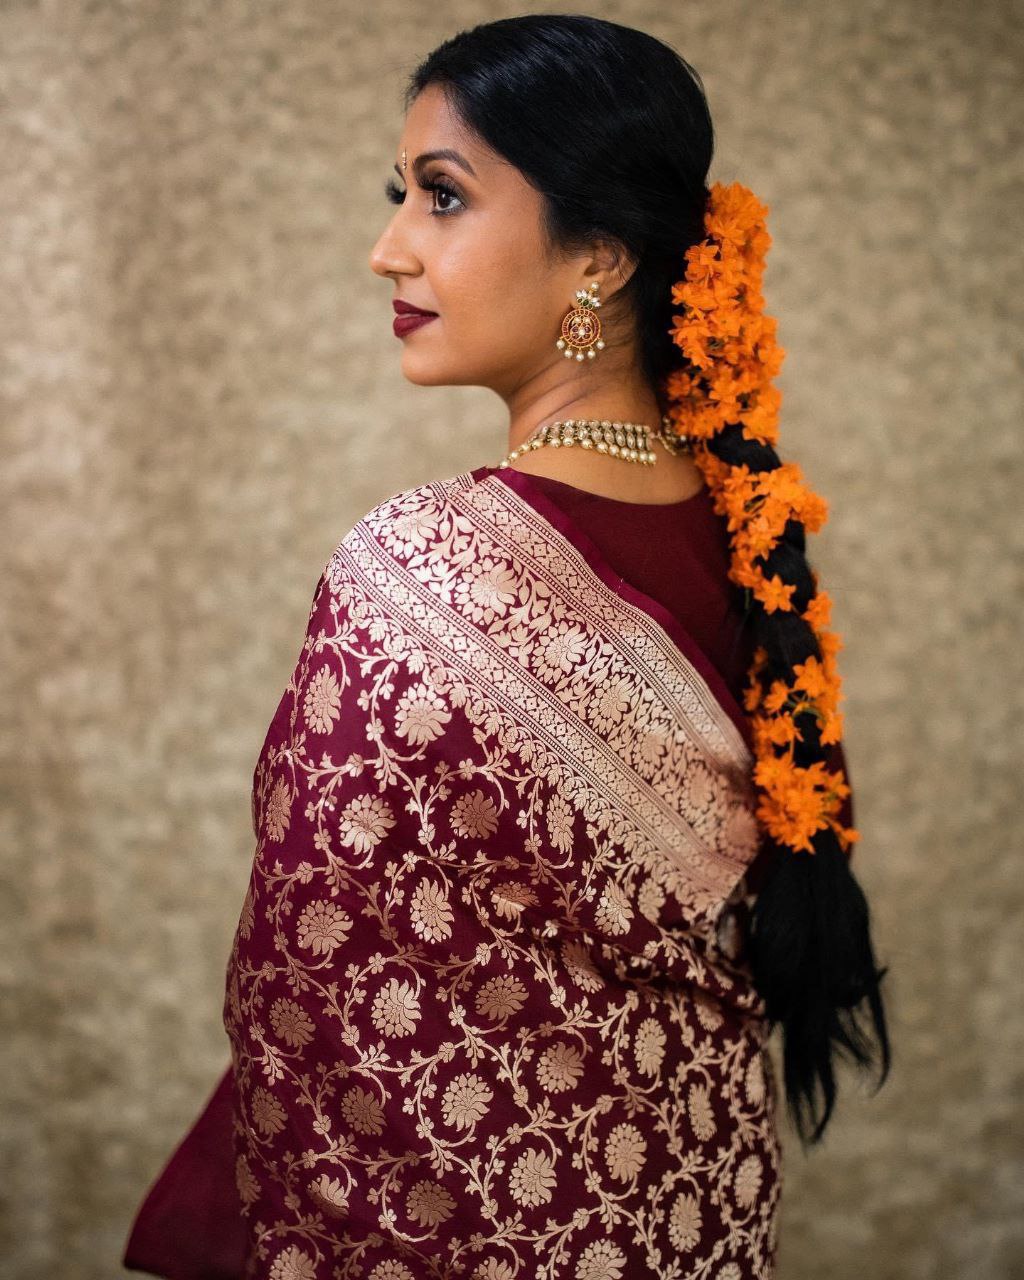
581, 328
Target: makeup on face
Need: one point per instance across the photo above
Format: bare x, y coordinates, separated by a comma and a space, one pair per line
409, 317
402, 325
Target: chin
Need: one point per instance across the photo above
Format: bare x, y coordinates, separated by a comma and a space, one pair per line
427, 371
424, 375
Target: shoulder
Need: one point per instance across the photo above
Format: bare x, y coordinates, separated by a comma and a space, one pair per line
396, 569
409, 525
429, 496
402, 514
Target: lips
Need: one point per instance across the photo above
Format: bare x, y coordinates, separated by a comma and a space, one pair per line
407, 309
408, 317
403, 324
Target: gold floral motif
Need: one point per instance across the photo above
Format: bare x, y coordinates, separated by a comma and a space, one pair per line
480, 998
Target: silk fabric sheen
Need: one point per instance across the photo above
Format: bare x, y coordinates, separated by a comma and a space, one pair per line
487, 1004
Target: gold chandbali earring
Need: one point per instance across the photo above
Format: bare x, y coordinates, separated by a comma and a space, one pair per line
581, 328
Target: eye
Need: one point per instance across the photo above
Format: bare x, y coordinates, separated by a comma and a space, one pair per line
397, 196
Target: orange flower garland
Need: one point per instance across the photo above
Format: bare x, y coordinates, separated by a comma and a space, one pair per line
729, 343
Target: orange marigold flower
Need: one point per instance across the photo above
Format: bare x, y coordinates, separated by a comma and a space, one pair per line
813, 512
830, 644
701, 260
810, 676
832, 728
775, 699
771, 771
818, 610
783, 731
774, 593
731, 354
744, 574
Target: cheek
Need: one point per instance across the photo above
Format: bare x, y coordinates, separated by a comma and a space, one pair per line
496, 298
489, 262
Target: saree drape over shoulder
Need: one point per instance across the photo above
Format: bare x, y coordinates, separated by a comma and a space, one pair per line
487, 1003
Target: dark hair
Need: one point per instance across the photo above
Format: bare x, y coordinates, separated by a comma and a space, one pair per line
612, 127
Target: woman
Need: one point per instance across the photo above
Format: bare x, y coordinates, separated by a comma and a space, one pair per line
553, 824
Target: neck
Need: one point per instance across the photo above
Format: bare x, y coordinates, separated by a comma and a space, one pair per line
616, 392
587, 406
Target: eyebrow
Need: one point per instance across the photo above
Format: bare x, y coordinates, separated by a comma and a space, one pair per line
445, 153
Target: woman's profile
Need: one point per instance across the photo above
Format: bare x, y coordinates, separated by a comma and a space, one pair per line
553, 820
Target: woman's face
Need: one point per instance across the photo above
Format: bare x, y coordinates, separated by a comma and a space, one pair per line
472, 252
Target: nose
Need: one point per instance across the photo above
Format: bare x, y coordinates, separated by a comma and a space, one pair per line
387, 258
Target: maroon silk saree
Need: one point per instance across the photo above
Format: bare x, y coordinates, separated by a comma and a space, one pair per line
488, 1009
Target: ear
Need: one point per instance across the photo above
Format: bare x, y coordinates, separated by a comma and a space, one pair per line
611, 266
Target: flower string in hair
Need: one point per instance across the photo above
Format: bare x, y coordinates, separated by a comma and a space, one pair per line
731, 353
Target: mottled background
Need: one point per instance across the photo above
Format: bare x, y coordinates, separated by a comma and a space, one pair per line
201, 392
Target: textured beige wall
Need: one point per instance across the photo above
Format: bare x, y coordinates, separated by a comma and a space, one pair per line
200, 393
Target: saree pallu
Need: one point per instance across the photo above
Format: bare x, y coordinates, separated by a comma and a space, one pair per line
488, 1007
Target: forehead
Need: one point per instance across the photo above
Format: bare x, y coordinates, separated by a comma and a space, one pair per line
432, 125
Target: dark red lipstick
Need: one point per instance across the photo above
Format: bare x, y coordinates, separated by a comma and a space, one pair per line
408, 317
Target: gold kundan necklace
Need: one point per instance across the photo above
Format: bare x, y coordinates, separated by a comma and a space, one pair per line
630, 441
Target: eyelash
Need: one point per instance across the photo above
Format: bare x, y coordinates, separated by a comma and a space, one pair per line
397, 196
